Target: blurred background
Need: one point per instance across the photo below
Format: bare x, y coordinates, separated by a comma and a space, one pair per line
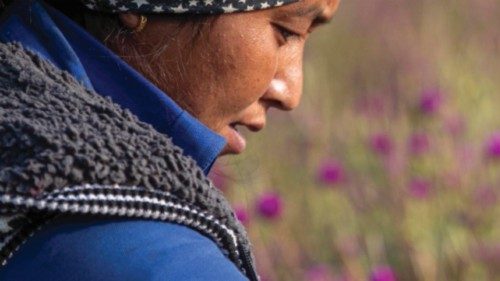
389, 169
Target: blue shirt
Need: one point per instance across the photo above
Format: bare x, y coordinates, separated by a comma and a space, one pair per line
81, 249
73, 249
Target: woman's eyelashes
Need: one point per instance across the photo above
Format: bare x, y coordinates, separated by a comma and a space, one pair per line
286, 34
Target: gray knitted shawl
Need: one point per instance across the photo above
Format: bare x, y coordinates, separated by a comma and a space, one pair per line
66, 150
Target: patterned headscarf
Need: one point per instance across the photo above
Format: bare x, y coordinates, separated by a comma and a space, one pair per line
182, 6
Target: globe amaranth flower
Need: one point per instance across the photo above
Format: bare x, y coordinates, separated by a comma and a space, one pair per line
419, 188
330, 172
493, 146
242, 214
383, 273
269, 205
381, 143
430, 101
418, 143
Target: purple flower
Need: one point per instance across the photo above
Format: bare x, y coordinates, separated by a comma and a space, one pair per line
318, 273
418, 143
242, 214
269, 205
381, 144
493, 145
383, 273
419, 188
330, 172
430, 101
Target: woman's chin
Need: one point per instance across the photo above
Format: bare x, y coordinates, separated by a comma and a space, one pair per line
226, 151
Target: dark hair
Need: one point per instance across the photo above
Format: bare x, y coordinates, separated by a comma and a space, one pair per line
107, 28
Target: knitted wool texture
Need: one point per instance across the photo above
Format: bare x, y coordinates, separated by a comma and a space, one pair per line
54, 133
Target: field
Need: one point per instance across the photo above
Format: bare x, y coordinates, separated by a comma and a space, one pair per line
390, 168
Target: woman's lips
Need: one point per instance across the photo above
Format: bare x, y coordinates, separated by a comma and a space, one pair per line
235, 141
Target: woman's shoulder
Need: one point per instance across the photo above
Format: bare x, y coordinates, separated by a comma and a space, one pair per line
84, 248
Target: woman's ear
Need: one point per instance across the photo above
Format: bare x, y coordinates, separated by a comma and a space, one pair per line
130, 20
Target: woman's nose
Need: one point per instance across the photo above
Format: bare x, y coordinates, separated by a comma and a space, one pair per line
285, 90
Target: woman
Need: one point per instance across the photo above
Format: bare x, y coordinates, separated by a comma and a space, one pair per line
104, 147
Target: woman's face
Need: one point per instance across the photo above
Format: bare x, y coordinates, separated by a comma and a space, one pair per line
238, 67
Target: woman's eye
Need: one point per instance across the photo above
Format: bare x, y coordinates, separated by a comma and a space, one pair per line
286, 34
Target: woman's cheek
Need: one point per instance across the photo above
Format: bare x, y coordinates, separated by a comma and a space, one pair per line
259, 73
241, 62
248, 56
261, 61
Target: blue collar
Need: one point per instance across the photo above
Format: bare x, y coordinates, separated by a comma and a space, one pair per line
55, 37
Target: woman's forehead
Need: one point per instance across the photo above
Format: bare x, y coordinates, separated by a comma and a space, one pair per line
321, 9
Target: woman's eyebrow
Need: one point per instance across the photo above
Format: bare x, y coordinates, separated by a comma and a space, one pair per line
306, 11
317, 13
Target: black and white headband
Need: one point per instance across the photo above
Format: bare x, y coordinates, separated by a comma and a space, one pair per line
182, 6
